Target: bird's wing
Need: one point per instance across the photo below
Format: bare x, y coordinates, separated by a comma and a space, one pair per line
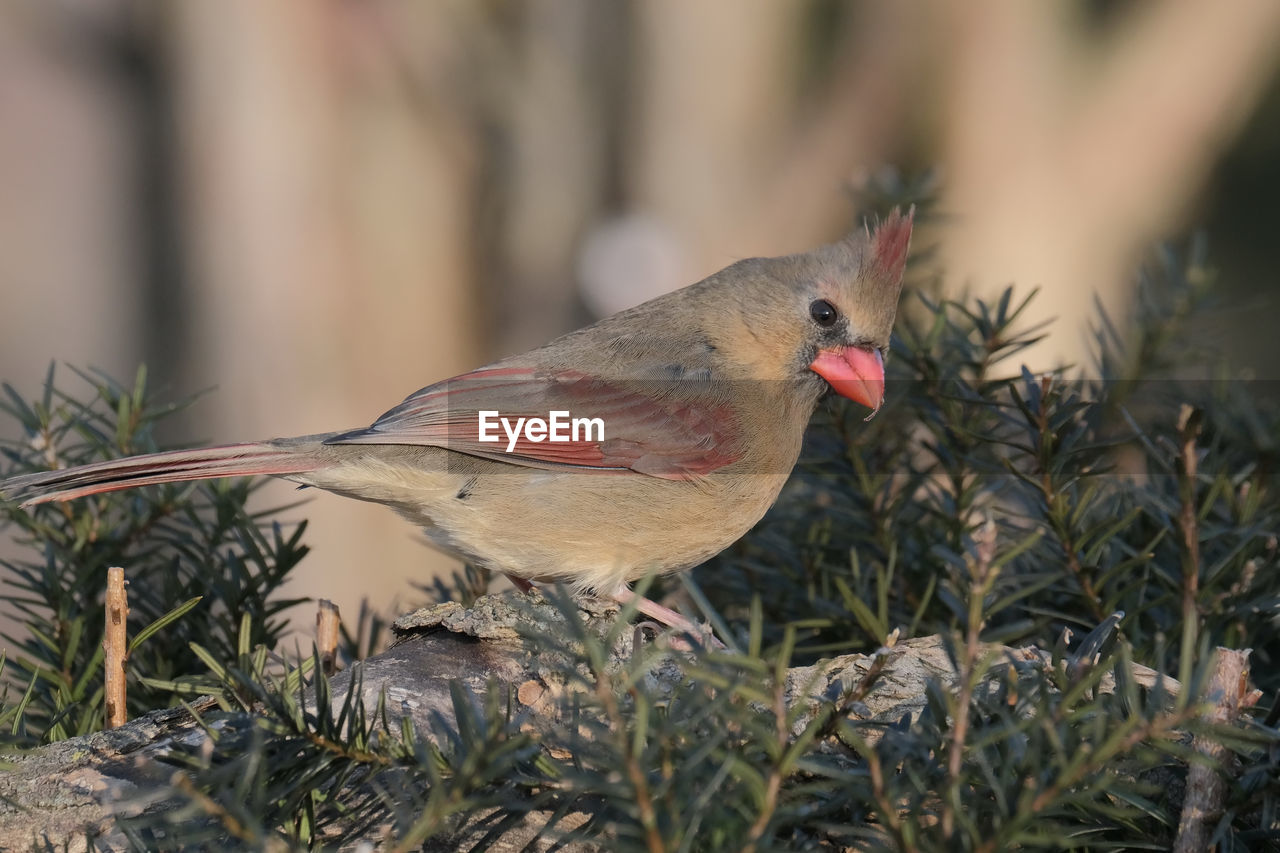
664, 429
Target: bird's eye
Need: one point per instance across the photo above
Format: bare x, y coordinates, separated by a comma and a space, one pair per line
823, 312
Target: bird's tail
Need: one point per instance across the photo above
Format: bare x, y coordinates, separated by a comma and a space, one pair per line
172, 466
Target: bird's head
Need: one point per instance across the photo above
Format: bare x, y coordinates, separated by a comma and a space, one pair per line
829, 313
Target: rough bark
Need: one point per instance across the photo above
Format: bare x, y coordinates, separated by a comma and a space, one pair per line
1227, 695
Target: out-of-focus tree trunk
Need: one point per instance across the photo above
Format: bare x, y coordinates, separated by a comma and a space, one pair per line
69, 239
556, 81
1067, 153
69, 259
727, 155
328, 189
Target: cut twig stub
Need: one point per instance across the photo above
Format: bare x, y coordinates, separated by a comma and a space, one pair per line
115, 645
328, 623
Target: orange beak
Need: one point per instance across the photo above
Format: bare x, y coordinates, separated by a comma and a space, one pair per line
853, 372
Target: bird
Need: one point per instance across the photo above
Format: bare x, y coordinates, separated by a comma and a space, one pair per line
646, 442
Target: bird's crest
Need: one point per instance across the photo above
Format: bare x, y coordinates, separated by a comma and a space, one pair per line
881, 252
889, 242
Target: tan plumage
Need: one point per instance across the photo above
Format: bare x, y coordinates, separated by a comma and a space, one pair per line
704, 394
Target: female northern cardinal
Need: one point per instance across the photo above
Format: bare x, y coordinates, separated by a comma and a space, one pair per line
649, 441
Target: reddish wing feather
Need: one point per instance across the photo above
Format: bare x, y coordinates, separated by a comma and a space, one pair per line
649, 427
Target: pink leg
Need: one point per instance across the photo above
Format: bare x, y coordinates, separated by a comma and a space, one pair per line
665, 615
520, 583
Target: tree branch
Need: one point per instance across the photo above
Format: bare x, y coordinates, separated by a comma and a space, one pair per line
85, 783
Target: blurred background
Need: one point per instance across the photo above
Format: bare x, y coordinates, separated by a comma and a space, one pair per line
319, 207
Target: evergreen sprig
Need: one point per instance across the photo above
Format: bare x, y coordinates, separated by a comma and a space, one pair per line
190, 551
1095, 491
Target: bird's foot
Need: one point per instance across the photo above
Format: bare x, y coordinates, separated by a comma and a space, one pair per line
670, 618
664, 616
